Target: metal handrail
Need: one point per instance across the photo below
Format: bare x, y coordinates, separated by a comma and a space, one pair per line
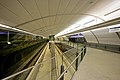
15, 74
25, 70
70, 65
39, 63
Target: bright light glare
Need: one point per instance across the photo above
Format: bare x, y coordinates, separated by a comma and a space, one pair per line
117, 25
1, 25
108, 27
9, 42
83, 23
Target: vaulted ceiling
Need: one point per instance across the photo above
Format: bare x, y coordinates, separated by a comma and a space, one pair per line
48, 17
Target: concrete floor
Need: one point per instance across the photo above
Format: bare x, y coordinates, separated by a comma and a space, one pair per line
44, 70
99, 65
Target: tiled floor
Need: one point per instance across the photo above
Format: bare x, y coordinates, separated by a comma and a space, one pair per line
99, 65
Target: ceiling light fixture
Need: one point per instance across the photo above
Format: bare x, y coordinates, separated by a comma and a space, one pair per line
4, 26
8, 27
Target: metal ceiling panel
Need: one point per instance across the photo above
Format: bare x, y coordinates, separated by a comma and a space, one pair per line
86, 6
8, 16
79, 4
29, 27
52, 20
46, 20
6, 22
53, 6
31, 7
71, 6
63, 6
40, 22
43, 7
16, 8
58, 18
27, 13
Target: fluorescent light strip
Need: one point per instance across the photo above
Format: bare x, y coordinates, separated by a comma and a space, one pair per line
4, 26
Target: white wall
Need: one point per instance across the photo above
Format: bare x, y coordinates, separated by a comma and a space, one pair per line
103, 36
90, 38
106, 37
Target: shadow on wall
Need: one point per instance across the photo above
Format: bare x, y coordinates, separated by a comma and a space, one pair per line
108, 47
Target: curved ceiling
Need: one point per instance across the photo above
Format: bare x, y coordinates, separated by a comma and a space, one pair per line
48, 17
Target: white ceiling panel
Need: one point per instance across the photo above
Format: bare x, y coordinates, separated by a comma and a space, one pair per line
58, 18
52, 20
15, 7
8, 16
53, 6
4, 21
26, 12
72, 4
85, 7
69, 19
40, 23
63, 6
80, 7
43, 7
79, 4
31, 7
29, 27
63, 18
46, 20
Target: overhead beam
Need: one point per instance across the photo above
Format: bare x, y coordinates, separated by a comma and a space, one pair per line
100, 25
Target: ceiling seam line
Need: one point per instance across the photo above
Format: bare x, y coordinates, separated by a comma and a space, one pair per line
56, 15
11, 11
79, 8
47, 30
26, 10
118, 35
73, 8
39, 11
65, 10
44, 27
95, 36
49, 11
57, 10
82, 6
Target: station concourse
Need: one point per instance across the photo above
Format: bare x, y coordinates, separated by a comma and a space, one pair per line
59, 40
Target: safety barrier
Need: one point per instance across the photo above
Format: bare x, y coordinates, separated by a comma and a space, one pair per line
66, 68
69, 69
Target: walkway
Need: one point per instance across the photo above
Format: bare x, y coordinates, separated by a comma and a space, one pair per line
44, 70
99, 65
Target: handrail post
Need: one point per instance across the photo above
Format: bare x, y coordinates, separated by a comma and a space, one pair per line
61, 71
77, 58
84, 49
82, 54
76, 62
62, 67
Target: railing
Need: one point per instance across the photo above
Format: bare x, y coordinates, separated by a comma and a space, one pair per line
69, 71
66, 73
